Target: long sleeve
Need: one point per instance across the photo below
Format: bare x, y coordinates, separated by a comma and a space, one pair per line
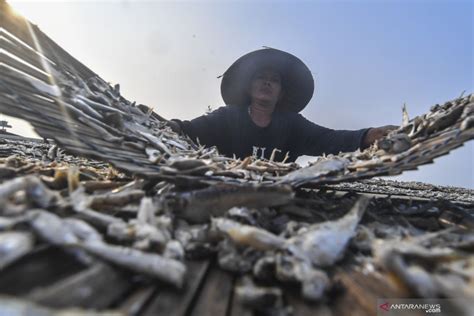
311, 139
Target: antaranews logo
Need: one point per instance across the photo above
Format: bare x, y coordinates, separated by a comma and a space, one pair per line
404, 306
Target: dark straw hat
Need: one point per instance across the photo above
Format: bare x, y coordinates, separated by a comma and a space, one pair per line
297, 81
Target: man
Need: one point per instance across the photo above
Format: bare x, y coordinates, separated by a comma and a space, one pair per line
264, 91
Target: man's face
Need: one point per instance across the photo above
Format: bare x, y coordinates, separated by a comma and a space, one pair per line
266, 86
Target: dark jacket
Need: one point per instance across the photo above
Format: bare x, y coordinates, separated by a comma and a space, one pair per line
233, 132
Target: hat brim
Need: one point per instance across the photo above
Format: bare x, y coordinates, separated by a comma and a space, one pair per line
297, 80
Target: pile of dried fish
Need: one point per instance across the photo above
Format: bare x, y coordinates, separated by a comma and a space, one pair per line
37, 150
90, 118
276, 238
398, 188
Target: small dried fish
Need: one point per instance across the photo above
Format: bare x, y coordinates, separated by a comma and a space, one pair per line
94, 185
51, 228
315, 285
14, 245
7, 172
320, 168
264, 268
147, 211
151, 236
174, 250
200, 205
197, 184
121, 231
246, 235
72, 179
36, 191
120, 198
323, 244
7, 223
82, 229
234, 259
98, 219
180, 163
405, 117
314, 282
10, 306
52, 152
80, 202
195, 239
258, 297
154, 155
155, 141
395, 144
146, 231
59, 181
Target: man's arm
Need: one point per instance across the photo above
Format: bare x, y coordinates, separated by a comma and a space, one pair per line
207, 128
314, 140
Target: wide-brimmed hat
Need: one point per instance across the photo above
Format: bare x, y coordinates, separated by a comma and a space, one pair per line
297, 81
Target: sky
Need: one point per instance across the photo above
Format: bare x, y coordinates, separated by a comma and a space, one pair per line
368, 58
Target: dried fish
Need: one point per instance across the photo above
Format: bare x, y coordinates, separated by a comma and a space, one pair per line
98, 219
264, 268
363, 239
405, 117
154, 155
323, 244
246, 235
314, 285
395, 144
200, 205
59, 181
52, 152
258, 297
7, 172
314, 282
251, 218
156, 142
120, 198
174, 250
384, 250
81, 202
51, 228
36, 191
72, 179
147, 211
180, 163
98, 107
94, 185
7, 223
121, 231
195, 239
411, 263
150, 236
86, 108
82, 229
319, 168
16, 307
165, 269
234, 259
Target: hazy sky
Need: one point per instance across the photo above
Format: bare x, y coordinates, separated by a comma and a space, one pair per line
368, 57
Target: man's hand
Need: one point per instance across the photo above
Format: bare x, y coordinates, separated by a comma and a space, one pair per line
377, 133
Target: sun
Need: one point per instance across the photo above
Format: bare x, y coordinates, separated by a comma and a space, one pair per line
12, 4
